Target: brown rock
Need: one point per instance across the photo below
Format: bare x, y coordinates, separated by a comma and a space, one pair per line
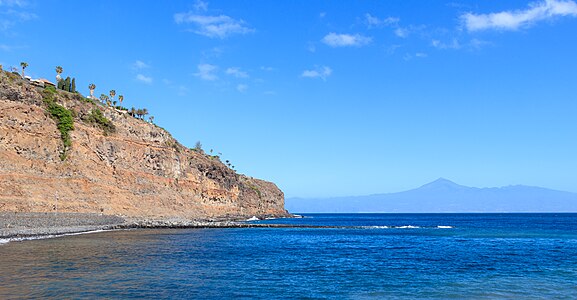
140, 170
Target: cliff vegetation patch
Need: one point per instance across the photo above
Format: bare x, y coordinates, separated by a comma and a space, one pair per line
63, 117
97, 117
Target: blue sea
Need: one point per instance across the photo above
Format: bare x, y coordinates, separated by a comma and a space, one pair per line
364, 256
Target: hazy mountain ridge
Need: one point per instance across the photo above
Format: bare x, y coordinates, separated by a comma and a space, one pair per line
443, 195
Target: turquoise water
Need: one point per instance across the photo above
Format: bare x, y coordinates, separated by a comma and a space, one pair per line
370, 256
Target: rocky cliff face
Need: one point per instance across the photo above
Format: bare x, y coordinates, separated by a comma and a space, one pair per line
138, 170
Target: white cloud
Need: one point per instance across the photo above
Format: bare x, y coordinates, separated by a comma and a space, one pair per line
207, 72
220, 26
421, 55
268, 69
139, 65
9, 3
242, 88
345, 40
512, 20
372, 21
5, 47
402, 32
319, 72
145, 79
201, 5
236, 72
453, 44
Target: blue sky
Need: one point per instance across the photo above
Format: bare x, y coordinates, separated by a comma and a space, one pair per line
331, 98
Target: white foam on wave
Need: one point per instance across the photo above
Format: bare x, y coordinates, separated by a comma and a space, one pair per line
444, 227
49, 236
407, 227
378, 227
253, 218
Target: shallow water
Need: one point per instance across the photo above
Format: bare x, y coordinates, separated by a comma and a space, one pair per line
373, 256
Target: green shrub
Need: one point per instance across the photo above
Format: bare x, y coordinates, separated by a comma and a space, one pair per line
96, 117
63, 117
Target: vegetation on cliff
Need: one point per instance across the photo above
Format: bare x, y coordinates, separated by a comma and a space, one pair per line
63, 117
96, 117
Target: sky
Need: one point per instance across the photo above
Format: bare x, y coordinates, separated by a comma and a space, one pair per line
331, 98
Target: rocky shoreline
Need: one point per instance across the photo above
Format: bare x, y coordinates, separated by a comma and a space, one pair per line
18, 226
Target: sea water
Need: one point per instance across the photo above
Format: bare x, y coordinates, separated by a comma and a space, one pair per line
360, 256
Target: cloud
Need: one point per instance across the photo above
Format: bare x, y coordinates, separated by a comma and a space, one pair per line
139, 65
268, 69
345, 40
4, 47
372, 21
10, 3
236, 72
207, 72
513, 20
221, 26
201, 6
242, 88
453, 44
402, 32
319, 72
145, 79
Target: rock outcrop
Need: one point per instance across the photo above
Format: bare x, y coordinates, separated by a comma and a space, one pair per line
138, 170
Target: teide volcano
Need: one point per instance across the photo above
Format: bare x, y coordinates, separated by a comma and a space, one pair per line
443, 195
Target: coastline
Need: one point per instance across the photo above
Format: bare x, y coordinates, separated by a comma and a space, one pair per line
18, 226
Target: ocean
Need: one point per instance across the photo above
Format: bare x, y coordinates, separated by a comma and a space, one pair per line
362, 256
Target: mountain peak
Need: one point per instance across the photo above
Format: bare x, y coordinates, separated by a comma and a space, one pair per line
441, 183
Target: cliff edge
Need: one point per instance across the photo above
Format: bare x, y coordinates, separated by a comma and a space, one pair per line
112, 164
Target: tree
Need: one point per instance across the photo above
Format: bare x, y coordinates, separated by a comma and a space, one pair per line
73, 85
198, 146
144, 112
132, 111
120, 98
92, 87
24, 65
112, 94
151, 119
67, 84
58, 72
104, 98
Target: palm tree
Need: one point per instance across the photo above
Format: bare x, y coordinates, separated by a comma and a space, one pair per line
151, 119
120, 98
132, 111
23, 65
112, 94
91, 87
104, 98
144, 112
58, 72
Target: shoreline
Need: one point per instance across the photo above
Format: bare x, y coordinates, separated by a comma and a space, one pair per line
18, 226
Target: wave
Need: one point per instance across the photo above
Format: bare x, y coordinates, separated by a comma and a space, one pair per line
49, 236
408, 227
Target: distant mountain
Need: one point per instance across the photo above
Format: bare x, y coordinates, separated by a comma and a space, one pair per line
443, 195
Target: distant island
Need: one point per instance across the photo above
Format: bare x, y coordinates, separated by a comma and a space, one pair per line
444, 196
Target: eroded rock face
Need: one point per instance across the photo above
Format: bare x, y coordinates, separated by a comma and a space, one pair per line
139, 170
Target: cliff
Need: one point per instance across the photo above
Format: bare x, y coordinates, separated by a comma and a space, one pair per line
127, 167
